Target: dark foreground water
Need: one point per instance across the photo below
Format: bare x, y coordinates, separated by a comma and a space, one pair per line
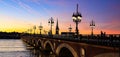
16, 48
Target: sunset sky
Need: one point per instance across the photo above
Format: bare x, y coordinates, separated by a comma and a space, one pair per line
21, 15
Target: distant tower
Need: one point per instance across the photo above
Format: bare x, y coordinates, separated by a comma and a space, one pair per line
57, 28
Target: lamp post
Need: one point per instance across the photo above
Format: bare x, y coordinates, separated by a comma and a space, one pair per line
77, 18
40, 28
70, 28
34, 27
51, 22
92, 25
30, 31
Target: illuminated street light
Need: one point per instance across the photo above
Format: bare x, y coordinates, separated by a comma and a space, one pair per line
51, 22
34, 27
30, 31
40, 28
77, 19
92, 25
70, 28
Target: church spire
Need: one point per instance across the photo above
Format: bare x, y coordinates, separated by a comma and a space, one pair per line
57, 27
77, 8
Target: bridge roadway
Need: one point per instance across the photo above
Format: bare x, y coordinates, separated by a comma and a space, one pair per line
71, 48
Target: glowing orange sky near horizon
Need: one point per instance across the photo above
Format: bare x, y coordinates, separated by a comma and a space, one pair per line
14, 25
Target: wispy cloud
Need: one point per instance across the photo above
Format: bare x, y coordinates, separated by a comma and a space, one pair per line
27, 7
112, 26
35, 1
12, 6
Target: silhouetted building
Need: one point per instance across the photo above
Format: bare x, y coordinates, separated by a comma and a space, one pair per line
103, 34
10, 35
57, 28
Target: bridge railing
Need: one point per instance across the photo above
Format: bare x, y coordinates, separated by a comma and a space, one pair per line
106, 40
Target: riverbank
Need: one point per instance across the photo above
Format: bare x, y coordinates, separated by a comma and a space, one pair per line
11, 35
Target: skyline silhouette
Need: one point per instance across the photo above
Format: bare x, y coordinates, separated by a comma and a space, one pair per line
20, 16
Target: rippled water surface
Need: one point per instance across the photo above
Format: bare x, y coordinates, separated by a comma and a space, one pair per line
13, 48
16, 48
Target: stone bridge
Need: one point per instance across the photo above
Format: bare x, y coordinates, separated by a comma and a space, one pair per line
65, 48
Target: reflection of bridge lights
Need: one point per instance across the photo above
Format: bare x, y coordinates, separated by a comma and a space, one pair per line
59, 40
51, 52
54, 44
82, 52
33, 44
40, 47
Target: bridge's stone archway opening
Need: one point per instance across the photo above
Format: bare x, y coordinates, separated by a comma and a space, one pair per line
65, 52
34, 44
39, 44
48, 47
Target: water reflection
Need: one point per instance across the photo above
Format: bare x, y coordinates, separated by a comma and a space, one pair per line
17, 48
13, 48
11, 45
40, 53
36, 53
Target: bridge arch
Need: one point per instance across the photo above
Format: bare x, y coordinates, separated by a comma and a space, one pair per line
108, 55
70, 48
33, 41
48, 43
39, 43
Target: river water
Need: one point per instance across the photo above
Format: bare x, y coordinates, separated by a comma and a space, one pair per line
16, 48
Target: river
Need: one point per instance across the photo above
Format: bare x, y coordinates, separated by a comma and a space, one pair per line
16, 48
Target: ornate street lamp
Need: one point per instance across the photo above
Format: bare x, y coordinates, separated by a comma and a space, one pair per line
40, 28
70, 28
51, 22
77, 19
30, 31
92, 25
34, 27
